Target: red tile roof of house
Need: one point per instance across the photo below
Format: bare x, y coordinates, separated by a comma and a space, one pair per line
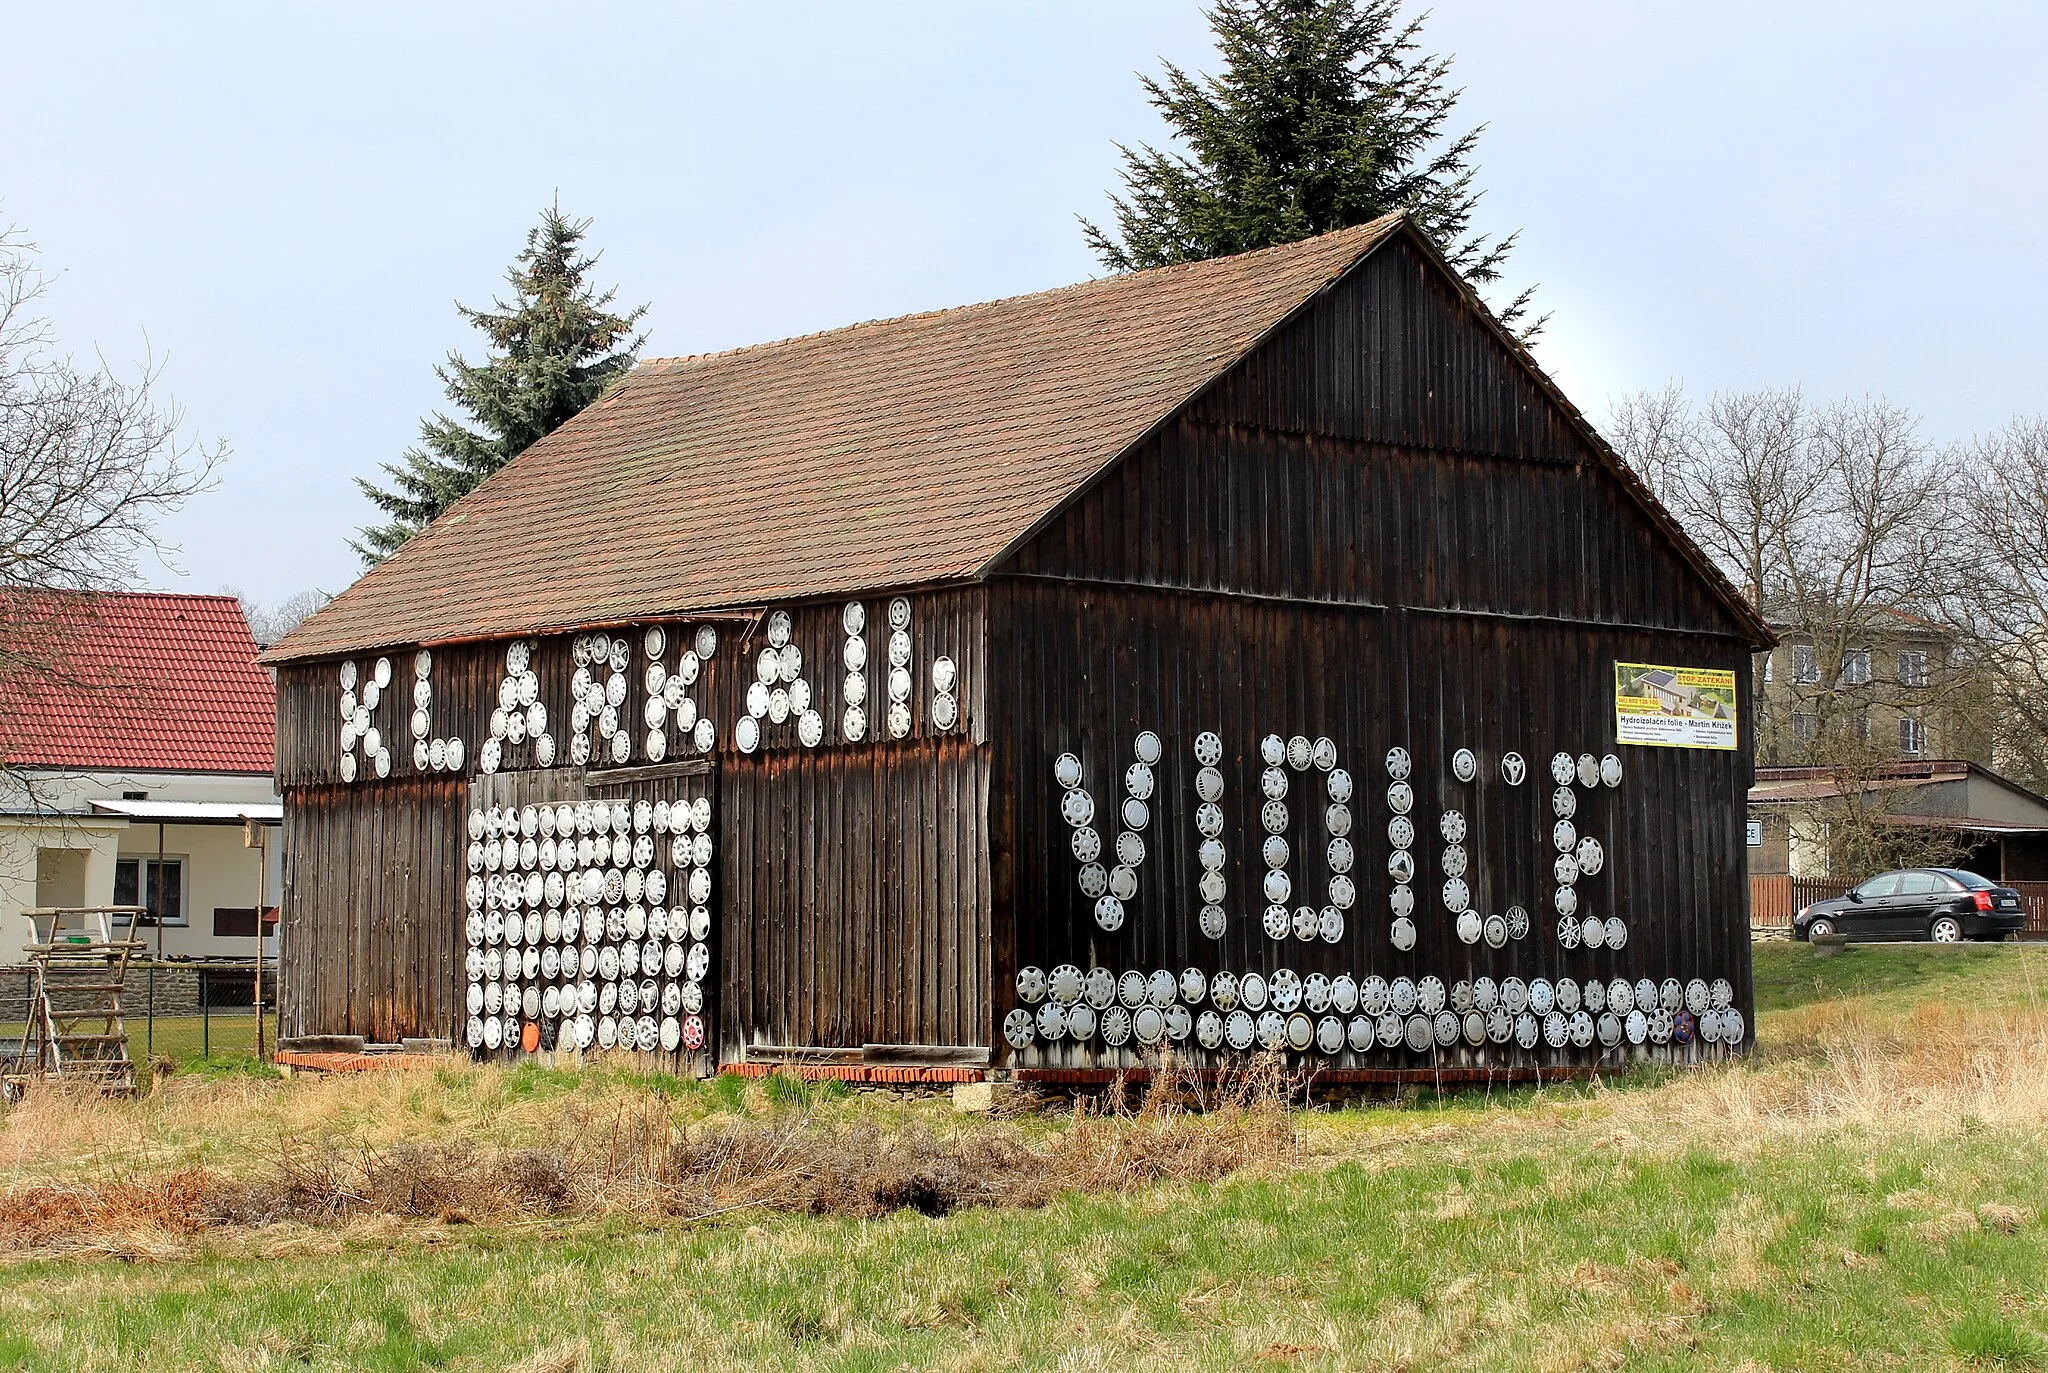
145, 680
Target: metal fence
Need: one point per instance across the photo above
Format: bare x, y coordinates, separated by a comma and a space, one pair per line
1773, 901
184, 1012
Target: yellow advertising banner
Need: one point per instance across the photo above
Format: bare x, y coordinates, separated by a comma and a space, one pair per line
1674, 707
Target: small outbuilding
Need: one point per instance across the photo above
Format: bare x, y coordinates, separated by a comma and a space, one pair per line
1222, 657
2002, 826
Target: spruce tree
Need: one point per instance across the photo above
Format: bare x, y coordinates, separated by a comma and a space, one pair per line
1326, 114
552, 350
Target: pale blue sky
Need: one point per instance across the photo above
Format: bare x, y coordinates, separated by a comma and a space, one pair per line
285, 201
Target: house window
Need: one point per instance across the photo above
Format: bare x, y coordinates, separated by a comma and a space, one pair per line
1856, 668
1769, 658
135, 885
1803, 726
1913, 668
1805, 667
1912, 736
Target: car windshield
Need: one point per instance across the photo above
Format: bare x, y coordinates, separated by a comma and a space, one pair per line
1970, 880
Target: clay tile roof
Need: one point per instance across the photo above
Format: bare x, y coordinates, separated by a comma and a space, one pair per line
145, 681
904, 452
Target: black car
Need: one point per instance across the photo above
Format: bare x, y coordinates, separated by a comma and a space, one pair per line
1943, 904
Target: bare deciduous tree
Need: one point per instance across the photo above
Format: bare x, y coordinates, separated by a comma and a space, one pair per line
271, 623
2006, 494
88, 463
1846, 529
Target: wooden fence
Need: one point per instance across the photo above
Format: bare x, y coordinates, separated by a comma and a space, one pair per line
1773, 901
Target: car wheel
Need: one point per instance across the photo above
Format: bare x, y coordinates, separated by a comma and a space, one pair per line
1946, 929
1819, 928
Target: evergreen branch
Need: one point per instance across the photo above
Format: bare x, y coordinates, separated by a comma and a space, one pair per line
1323, 114
552, 349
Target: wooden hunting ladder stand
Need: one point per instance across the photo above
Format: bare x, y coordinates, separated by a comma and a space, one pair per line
76, 1029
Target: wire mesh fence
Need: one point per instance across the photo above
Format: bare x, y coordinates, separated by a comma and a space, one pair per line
181, 1012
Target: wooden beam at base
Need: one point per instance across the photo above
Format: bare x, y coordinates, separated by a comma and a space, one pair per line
801, 1053
1336, 1077
879, 1074
949, 1055
357, 1063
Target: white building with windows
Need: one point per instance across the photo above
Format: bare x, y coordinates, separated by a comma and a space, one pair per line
1889, 693
131, 761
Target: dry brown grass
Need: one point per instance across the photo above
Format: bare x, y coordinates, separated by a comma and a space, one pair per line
33, 1217
463, 1145
1926, 1075
640, 1156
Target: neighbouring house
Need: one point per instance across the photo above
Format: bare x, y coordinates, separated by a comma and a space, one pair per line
2004, 824
1221, 656
1894, 687
134, 753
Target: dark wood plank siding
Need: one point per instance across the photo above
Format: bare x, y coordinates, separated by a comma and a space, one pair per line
1087, 668
465, 681
1392, 354
857, 880
1378, 528
372, 909
1230, 508
856, 897
1382, 447
376, 869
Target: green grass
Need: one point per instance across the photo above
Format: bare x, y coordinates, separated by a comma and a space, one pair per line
1987, 1338
1896, 977
1478, 1259
1673, 1223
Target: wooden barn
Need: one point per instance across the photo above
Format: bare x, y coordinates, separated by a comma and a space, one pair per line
1239, 656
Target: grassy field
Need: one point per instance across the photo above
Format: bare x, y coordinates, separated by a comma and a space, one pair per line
1866, 1193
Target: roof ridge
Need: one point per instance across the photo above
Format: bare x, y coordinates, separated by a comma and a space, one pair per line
1091, 283
123, 595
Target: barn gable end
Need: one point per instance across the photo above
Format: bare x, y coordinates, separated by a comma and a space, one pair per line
1382, 527
1386, 446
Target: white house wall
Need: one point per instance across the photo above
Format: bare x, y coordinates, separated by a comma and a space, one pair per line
219, 871
21, 839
